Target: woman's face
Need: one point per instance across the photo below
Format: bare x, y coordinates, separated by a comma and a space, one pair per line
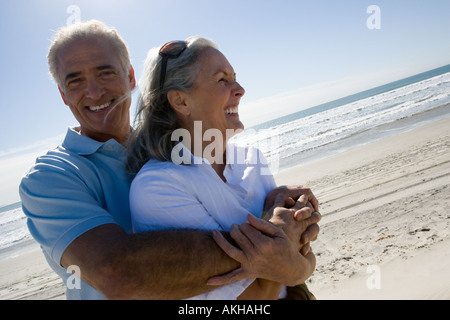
215, 97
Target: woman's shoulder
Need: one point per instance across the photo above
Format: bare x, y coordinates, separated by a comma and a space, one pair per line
163, 170
156, 167
244, 154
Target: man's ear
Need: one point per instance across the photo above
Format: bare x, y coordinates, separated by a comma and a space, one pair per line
177, 100
132, 78
63, 95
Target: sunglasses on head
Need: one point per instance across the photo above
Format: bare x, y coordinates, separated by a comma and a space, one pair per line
171, 50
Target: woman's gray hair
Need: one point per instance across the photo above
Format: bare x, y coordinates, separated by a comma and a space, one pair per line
88, 30
156, 120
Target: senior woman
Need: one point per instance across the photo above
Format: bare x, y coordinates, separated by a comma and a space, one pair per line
189, 175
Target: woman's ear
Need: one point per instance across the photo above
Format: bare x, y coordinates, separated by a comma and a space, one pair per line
177, 100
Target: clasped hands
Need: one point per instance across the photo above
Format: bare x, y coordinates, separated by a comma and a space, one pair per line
276, 247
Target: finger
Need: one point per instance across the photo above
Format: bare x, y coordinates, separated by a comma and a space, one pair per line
310, 234
308, 193
230, 277
280, 200
312, 198
289, 203
256, 237
316, 217
311, 258
313, 219
303, 213
315, 203
264, 226
301, 202
227, 247
305, 249
240, 236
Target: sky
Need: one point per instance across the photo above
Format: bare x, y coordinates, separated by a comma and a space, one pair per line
289, 55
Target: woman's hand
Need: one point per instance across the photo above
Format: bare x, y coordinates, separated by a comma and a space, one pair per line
290, 195
285, 211
277, 249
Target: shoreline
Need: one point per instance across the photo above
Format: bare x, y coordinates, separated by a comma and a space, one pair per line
377, 133
384, 204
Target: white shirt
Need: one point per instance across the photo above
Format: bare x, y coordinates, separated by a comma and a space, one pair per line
165, 195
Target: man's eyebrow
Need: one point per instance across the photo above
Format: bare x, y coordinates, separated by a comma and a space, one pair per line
106, 66
76, 74
72, 75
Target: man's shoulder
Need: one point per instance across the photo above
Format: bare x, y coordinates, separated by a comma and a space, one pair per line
60, 161
58, 155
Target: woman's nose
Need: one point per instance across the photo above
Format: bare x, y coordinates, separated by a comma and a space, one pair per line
239, 91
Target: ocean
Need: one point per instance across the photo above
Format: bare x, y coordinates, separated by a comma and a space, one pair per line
13, 230
354, 120
314, 133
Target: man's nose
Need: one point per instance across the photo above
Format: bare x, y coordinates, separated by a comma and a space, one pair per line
94, 90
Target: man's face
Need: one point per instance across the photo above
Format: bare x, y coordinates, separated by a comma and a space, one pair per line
96, 88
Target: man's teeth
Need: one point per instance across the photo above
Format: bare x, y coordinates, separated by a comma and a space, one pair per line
232, 110
103, 106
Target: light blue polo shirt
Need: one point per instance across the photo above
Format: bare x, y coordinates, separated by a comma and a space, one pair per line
79, 185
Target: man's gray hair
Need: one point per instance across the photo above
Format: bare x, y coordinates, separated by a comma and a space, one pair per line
156, 120
89, 30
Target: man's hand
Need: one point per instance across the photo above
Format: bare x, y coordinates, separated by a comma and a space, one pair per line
279, 249
266, 252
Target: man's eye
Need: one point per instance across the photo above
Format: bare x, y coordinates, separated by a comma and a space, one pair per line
106, 74
73, 82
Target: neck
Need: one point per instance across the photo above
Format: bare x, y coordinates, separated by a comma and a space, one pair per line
213, 151
120, 136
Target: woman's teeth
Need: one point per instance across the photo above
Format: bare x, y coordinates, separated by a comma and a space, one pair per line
232, 110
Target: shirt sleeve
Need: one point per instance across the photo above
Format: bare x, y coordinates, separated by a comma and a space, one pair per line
59, 205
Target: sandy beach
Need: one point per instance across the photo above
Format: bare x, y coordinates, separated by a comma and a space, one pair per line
385, 232
27, 276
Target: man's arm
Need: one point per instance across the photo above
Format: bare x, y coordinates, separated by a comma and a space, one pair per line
152, 265
166, 264
176, 264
